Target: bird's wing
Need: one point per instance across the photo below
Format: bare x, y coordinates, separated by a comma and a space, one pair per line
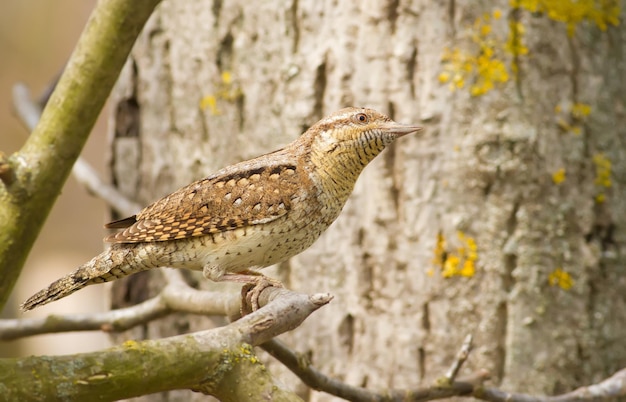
242, 195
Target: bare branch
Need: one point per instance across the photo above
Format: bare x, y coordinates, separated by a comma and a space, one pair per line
89, 177
189, 300
44, 97
29, 112
461, 357
114, 320
302, 367
176, 296
610, 388
614, 386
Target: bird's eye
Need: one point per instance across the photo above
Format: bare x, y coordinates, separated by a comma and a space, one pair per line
361, 118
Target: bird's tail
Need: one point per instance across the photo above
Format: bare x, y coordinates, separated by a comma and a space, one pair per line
102, 268
57, 289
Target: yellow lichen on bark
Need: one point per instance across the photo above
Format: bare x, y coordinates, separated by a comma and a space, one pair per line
226, 91
602, 179
558, 177
572, 12
459, 262
561, 278
571, 117
484, 66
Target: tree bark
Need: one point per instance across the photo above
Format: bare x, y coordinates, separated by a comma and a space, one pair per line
468, 229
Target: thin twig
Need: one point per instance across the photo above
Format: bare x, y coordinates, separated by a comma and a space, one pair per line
610, 388
29, 113
110, 321
27, 110
47, 92
461, 357
302, 367
89, 177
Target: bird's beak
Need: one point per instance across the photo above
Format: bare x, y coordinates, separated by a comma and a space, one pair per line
398, 129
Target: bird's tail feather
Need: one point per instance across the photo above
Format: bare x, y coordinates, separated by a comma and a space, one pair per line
57, 290
102, 268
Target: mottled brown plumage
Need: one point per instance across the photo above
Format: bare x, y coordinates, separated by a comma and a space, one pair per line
246, 216
215, 204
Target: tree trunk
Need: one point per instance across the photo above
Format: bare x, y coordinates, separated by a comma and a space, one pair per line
504, 220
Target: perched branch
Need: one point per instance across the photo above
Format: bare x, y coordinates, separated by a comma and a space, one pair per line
176, 296
42, 165
209, 361
179, 296
217, 359
29, 112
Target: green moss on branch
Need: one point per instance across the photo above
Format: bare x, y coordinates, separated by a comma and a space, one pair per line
214, 362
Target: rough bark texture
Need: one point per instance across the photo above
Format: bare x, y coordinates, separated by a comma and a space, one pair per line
212, 83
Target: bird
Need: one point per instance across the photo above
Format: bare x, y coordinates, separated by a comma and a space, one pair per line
246, 216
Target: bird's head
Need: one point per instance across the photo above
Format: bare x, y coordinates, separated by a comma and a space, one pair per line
354, 136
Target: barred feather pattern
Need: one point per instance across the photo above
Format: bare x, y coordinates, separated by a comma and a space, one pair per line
112, 264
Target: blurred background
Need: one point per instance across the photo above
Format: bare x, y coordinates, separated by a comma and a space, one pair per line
36, 39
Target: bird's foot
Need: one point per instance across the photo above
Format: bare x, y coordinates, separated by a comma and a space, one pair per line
251, 291
254, 284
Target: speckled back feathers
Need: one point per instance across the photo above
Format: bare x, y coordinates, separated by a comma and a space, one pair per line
245, 194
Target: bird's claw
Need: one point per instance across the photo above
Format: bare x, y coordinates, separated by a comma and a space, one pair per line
250, 293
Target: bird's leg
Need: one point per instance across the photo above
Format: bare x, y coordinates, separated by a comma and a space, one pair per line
254, 283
